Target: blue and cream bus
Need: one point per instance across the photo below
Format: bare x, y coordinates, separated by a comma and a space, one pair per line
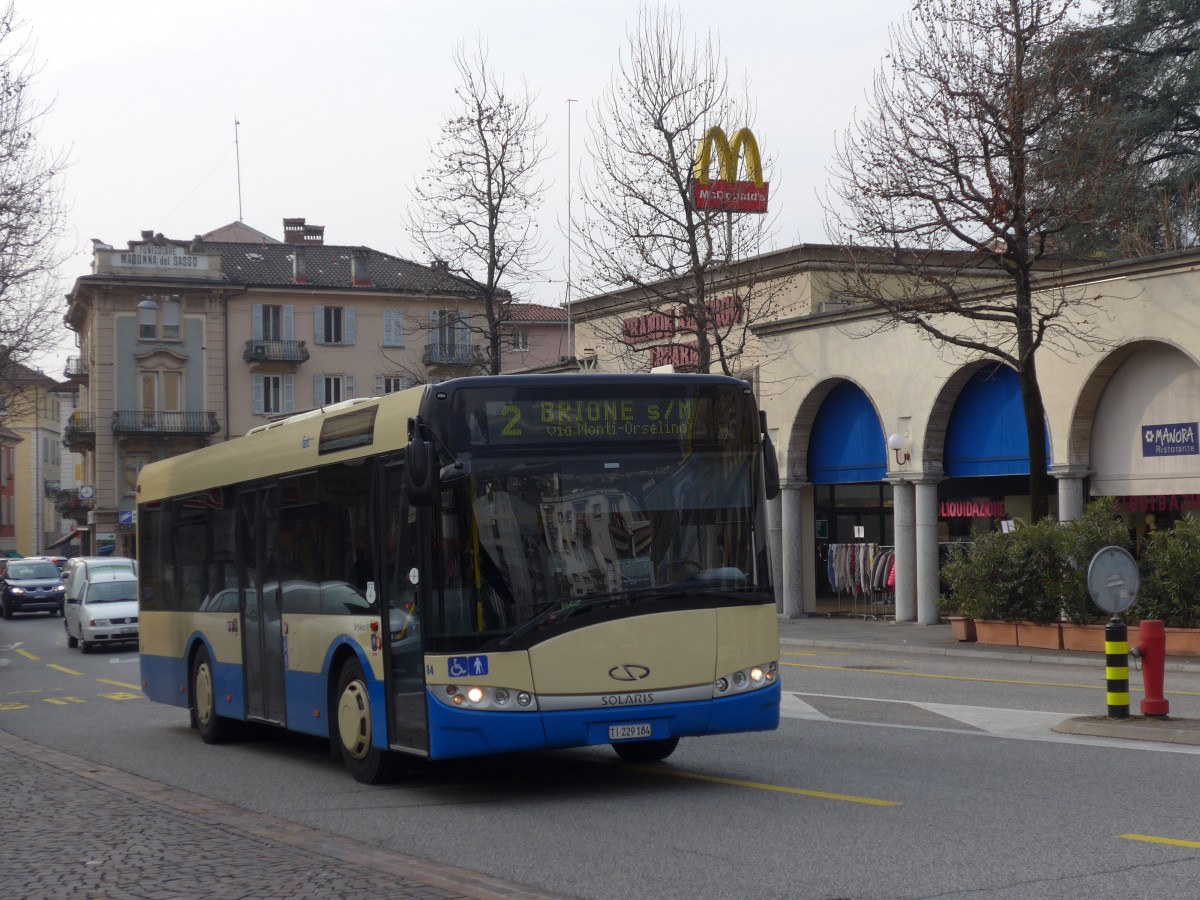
486, 565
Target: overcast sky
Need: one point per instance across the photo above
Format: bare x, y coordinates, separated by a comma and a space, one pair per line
339, 104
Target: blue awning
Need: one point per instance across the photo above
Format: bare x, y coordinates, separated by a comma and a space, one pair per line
986, 432
847, 444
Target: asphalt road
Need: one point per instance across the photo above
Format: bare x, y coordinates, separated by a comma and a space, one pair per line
892, 775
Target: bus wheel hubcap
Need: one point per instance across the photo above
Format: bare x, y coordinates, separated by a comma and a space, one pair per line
354, 720
204, 695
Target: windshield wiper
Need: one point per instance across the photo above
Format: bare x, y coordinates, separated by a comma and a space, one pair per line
683, 589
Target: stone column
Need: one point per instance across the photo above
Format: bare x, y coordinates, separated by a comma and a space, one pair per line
1070, 491
926, 529
903, 507
795, 537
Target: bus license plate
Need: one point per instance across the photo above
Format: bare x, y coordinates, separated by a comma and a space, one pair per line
625, 732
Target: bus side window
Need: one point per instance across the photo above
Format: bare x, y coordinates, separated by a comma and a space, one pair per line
402, 558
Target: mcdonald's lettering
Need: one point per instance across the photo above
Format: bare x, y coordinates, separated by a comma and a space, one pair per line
726, 193
724, 312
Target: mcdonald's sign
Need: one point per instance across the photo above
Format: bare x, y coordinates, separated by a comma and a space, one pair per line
725, 193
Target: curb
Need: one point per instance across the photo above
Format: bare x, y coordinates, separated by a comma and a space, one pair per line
1137, 728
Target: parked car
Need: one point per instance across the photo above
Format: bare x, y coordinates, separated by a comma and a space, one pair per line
30, 585
59, 561
105, 612
79, 568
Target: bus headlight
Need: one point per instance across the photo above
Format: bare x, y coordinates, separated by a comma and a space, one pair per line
747, 679
478, 696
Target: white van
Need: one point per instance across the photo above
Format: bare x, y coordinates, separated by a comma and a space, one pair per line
76, 571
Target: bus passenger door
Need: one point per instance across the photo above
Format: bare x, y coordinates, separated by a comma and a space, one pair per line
403, 577
258, 577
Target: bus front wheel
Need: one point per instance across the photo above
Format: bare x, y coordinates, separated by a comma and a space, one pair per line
214, 729
366, 762
646, 751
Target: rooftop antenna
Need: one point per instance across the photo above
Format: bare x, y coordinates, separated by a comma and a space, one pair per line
237, 152
570, 247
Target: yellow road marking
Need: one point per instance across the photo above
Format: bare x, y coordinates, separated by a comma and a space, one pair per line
1151, 839
62, 669
5, 707
27, 654
63, 701
132, 687
777, 788
121, 696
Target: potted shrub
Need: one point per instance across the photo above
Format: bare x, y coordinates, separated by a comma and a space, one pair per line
980, 584
1171, 585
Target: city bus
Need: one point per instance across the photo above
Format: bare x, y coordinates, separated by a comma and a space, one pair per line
491, 564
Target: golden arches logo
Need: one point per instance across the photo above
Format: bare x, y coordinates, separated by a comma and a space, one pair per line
728, 152
725, 192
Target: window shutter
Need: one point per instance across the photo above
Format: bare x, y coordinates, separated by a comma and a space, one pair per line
256, 394
348, 386
318, 390
393, 328
288, 334
348, 325
289, 393
378, 386
256, 332
319, 324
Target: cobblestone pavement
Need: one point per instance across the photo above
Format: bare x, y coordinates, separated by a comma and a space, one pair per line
77, 830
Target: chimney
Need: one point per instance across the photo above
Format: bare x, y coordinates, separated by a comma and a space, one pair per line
440, 265
360, 274
298, 274
295, 231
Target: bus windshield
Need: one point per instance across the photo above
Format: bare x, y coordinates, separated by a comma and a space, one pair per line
539, 537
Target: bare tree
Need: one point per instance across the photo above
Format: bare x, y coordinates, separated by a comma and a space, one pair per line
32, 217
640, 232
475, 209
963, 154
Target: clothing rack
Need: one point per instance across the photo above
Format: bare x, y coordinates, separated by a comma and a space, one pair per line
860, 570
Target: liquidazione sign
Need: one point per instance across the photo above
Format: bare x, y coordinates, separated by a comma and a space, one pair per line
1178, 439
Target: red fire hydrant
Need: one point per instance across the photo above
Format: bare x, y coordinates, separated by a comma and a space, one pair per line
1152, 651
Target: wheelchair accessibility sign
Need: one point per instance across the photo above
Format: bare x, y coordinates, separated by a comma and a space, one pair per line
467, 666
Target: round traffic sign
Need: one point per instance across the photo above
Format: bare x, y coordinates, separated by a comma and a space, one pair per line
1113, 579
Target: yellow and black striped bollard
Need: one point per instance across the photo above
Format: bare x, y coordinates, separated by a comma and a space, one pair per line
1116, 667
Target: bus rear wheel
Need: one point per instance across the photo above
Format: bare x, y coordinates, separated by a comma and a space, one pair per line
646, 751
366, 762
214, 729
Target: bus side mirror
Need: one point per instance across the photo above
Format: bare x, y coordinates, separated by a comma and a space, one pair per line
420, 485
770, 460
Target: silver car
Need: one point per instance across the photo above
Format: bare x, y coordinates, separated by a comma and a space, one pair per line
106, 611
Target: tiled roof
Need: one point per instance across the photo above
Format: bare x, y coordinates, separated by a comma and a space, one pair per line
18, 373
534, 312
328, 265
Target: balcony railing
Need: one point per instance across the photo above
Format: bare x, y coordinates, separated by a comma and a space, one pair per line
80, 430
76, 367
138, 421
453, 355
276, 351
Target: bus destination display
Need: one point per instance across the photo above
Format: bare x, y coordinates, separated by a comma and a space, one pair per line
584, 419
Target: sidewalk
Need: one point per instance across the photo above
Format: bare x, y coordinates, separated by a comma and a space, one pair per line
858, 633
74, 828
